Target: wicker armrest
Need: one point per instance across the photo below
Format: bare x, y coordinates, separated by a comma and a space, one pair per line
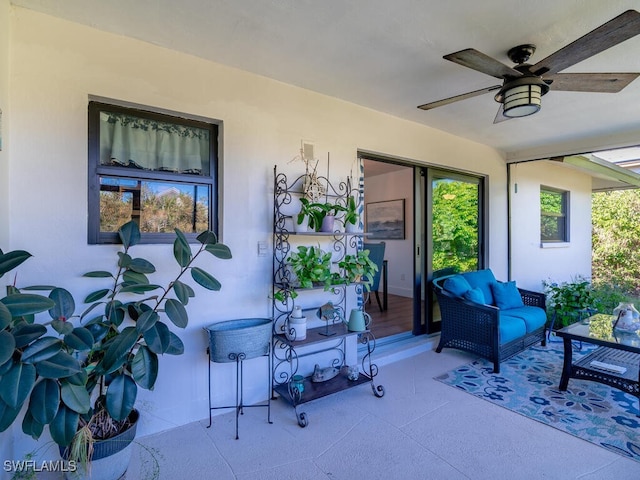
533, 299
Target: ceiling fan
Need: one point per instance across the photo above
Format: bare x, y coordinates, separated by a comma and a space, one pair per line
524, 84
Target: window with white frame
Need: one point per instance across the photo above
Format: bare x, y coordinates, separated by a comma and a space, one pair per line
554, 215
156, 169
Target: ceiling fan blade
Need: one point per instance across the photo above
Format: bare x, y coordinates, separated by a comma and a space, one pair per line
500, 116
476, 60
615, 31
591, 82
447, 101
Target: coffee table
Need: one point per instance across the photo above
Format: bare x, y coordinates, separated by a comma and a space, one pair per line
615, 362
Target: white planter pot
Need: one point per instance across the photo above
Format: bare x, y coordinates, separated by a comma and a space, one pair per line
297, 328
301, 227
351, 228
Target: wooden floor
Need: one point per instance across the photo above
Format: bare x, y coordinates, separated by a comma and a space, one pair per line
398, 318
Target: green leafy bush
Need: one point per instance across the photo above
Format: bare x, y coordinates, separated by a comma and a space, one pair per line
567, 301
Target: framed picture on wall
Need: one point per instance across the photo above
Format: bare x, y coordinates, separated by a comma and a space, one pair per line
385, 220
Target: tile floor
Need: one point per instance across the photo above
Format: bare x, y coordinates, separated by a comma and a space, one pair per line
420, 429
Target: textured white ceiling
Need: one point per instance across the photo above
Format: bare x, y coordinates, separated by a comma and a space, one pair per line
387, 55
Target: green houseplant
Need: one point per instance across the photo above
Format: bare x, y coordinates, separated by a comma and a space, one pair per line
357, 268
566, 301
351, 216
81, 376
311, 266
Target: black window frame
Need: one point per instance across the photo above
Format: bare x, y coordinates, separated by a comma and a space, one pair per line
96, 171
564, 234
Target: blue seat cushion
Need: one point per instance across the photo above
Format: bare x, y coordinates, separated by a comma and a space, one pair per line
457, 285
474, 295
511, 328
533, 317
506, 295
482, 279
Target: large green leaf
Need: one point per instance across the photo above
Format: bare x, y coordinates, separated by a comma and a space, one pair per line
141, 265
64, 426
124, 260
219, 250
62, 326
10, 260
7, 346
207, 237
7, 415
5, 316
114, 312
75, 397
95, 296
205, 279
65, 305
139, 288
41, 349
79, 339
44, 401
176, 347
61, 365
129, 234
16, 384
98, 274
131, 277
182, 251
158, 338
21, 304
176, 313
31, 427
121, 397
146, 321
27, 333
115, 355
183, 291
144, 368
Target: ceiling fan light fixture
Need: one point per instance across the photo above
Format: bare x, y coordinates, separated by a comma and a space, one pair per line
522, 100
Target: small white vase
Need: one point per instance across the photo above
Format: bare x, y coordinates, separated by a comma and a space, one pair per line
297, 328
301, 227
351, 228
327, 223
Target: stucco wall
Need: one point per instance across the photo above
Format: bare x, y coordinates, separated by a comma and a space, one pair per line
531, 264
55, 67
5, 10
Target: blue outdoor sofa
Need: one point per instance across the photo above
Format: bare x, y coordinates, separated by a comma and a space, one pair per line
492, 319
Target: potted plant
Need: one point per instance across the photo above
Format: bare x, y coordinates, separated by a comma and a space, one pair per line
351, 216
82, 381
311, 266
305, 219
358, 268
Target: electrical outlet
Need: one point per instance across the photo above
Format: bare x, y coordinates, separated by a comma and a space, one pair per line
262, 249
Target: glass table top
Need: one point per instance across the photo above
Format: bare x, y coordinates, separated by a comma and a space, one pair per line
599, 329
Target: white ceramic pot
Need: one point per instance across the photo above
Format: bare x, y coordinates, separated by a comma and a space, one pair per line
297, 328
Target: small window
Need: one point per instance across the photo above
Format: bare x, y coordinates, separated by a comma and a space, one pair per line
159, 170
554, 221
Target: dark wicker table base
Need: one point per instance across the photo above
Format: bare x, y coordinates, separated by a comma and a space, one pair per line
629, 381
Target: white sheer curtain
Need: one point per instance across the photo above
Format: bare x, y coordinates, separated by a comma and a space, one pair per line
152, 145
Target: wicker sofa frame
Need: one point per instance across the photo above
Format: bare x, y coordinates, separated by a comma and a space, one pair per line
474, 328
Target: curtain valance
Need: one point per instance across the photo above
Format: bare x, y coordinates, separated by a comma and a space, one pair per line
153, 145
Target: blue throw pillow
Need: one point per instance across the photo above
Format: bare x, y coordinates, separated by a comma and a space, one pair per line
474, 295
457, 285
506, 295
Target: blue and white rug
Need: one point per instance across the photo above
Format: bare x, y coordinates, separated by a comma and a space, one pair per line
528, 384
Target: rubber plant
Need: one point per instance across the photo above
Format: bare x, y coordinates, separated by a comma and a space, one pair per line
79, 374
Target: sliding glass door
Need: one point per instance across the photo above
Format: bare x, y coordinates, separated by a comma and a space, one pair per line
453, 233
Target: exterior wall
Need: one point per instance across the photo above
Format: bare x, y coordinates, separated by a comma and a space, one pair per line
532, 264
56, 65
6, 443
399, 253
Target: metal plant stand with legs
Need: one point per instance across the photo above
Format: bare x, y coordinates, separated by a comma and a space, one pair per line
239, 358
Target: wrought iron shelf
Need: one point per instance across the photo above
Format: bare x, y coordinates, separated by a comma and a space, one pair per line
330, 339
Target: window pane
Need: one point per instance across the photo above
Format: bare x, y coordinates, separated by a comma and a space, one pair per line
158, 207
553, 216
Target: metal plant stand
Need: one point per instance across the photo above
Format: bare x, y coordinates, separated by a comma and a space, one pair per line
331, 339
238, 358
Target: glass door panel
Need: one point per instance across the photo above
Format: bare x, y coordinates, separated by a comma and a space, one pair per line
453, 231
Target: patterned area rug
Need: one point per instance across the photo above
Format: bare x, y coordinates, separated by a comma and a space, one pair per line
528, 384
